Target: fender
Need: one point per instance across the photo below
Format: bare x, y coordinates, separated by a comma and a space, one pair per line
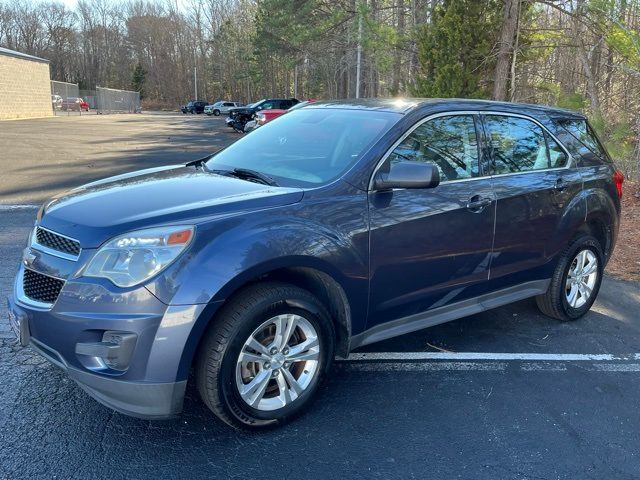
571, 220
238, 250
603, 215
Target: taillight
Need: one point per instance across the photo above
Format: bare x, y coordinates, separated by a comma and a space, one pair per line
618, 179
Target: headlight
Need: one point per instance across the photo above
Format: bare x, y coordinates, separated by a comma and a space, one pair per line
130, 259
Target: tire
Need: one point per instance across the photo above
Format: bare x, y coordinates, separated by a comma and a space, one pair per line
220, 371
558, 302
216, 112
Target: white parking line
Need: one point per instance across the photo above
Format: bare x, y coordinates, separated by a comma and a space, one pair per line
530, 367
475, 356
18, 206
489, 362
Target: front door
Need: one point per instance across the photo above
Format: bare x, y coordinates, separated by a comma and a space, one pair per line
432, 247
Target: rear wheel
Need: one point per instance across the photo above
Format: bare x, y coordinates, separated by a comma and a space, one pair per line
575, 282
262, 360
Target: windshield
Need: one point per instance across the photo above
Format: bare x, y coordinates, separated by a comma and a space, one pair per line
307, 147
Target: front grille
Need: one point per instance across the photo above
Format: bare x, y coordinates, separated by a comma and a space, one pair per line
57, 242
41, 288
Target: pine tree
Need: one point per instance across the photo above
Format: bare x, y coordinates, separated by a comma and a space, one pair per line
138, 79
455, 49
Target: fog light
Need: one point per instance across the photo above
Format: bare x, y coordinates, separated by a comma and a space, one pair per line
114, 351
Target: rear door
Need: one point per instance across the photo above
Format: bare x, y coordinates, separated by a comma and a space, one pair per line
533, 180
285, 104
432, 247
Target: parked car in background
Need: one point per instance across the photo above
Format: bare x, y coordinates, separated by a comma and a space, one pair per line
250, 126
194, 107
238, 117
221, 107
265, 116
75, 104
56, 102
339, 225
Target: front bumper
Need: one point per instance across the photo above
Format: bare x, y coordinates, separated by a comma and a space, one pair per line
154, 382
151, 401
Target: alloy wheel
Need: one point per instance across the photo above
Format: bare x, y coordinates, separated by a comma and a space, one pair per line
278, 362
582, 278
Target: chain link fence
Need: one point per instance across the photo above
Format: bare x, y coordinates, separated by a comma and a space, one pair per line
110, 100
64, 98
69, 99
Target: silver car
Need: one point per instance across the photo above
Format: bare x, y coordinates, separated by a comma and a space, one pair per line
220, 107
56, 102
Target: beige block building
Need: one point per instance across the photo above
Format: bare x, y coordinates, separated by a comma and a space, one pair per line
25, 86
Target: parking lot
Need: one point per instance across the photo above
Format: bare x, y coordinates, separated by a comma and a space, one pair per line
508, 393
43, 156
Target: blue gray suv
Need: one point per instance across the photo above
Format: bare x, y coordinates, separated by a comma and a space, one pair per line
335, 226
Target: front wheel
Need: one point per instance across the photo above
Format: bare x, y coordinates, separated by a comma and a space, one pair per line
262, 360
575, 282
216, 112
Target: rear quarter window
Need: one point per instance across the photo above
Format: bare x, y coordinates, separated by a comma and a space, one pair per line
581, 141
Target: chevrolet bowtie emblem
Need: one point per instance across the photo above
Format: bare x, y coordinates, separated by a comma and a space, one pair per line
28, 258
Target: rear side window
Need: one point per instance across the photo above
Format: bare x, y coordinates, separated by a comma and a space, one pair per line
520, 145
580, 139
557, 156
448, 142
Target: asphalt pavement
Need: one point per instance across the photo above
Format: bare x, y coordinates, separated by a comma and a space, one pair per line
508, 394
41, 157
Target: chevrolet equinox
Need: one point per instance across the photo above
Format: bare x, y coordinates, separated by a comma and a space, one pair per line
335, 226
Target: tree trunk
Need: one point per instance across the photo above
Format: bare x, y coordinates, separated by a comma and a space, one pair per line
505, 49
637, 153
397, 60
583, 58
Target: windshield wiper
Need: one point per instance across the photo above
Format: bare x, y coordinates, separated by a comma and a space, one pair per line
247, 174
254, 174
199, 162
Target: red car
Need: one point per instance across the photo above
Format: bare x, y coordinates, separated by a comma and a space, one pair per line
75, 103
265, 116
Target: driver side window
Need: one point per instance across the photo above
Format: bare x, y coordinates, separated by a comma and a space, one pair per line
448, 142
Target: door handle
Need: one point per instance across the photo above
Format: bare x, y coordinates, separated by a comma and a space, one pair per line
560, 185
477, 203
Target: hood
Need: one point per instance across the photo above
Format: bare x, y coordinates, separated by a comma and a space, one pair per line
241, 110
101, 210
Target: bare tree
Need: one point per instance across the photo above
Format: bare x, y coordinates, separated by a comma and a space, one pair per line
506, 50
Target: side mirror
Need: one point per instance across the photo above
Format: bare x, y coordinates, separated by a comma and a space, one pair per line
408, 175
